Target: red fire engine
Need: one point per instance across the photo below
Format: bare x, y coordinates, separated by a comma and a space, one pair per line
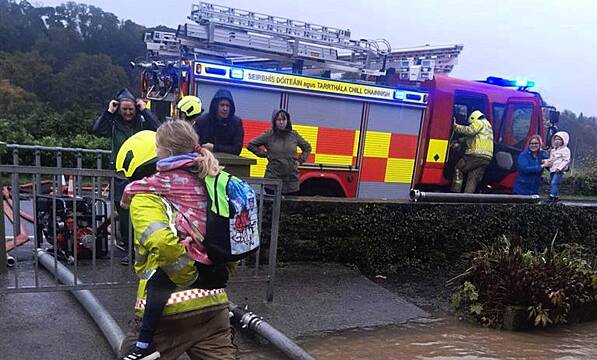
369, 140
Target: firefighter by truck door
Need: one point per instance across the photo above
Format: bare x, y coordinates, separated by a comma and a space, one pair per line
465, 102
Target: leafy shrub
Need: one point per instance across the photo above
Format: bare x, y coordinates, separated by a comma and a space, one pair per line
549, 284
385, 237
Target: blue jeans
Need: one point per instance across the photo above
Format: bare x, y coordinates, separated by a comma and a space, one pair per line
555, 183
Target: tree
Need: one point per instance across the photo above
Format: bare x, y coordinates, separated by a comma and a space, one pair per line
26, 70
89, 80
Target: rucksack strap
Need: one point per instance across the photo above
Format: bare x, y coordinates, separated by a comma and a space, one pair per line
216, 189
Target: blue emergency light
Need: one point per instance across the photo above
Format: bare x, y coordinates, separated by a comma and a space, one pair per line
215, 71
519, 83
237, 73
399, 95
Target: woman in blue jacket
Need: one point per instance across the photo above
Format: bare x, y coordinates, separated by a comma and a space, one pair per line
530, 168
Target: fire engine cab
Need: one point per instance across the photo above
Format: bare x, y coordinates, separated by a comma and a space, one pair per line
379, 120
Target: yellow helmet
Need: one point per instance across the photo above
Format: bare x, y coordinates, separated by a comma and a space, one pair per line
137, 155
475, 115
189, 105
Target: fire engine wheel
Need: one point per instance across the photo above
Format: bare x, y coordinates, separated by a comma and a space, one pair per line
322, 187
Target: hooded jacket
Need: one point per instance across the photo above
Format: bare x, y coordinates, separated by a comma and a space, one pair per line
280, 146
113, 125
479, 135
560, 157
108, 124
225, 134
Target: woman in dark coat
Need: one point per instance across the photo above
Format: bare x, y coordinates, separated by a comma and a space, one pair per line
280, 150
530, 168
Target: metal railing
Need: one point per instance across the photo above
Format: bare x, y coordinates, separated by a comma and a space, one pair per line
77, 227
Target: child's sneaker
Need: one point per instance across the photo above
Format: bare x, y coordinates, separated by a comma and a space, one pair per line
552, 200
136, 353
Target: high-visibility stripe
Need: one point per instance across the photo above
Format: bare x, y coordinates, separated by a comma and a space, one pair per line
387, 157
216, 188
257, 170
377, 144
146, 274
355, 144
182, 261
185, 295
309, 133
333, 159
150, 229
186, 300
399, 170
222, 198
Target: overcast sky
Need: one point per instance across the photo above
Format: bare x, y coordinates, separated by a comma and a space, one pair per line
551, 42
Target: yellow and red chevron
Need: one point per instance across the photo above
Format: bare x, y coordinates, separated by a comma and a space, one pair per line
387, 157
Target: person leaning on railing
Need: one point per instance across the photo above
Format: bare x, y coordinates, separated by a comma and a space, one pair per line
530, 167
124, 117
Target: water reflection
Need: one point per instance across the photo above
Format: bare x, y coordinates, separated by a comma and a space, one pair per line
448, 340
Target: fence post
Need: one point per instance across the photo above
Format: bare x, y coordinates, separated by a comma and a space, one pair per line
16, 200
2, 238
273, 247
2, 229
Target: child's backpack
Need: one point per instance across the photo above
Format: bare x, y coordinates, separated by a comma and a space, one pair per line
231, 231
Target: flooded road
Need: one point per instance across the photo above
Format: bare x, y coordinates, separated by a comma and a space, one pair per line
448, 339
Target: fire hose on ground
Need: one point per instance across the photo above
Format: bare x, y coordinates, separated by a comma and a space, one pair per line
422, 196
255, 323
95, 309
10, 261
115, 335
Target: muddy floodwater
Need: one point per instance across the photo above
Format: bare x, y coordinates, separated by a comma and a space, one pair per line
447, 339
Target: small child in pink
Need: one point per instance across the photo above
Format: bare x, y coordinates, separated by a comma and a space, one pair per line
176, 181
558, 162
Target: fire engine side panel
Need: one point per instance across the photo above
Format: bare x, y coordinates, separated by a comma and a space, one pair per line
331, 115
331, 125
254, 106
389, 152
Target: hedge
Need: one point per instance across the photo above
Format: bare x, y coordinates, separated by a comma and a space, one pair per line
385, 237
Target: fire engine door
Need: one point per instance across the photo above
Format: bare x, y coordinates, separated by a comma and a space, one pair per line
518, 124
465, 102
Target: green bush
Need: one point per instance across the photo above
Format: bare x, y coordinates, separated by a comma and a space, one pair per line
549, 285
384, 237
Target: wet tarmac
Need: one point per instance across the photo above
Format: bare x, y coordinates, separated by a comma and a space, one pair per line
309, 299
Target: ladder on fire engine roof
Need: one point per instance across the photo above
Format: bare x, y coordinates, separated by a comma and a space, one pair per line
259, 40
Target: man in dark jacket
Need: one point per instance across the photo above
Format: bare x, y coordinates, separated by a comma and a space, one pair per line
124, 117
220, 130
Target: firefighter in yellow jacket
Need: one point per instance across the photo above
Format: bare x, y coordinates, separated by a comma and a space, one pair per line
478, 154
194, 321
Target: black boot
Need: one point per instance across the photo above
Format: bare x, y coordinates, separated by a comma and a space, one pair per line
136, 353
